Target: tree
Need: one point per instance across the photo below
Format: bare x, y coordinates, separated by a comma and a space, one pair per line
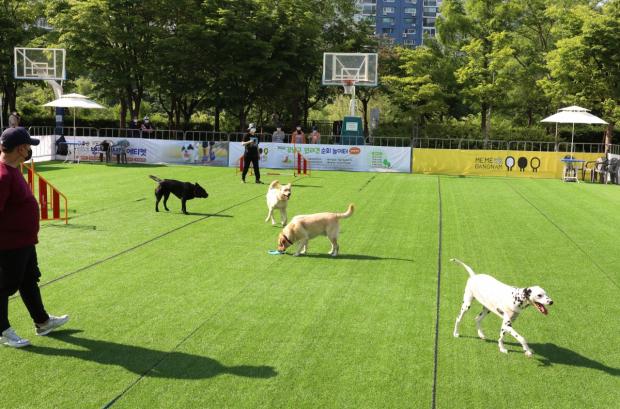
110, 42
421, 86
17, 29
477, 29
585, 67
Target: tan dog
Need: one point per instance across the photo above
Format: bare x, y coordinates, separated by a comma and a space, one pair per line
277, 198
305, 227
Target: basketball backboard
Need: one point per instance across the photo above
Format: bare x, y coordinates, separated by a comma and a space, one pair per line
343, 68
39, 64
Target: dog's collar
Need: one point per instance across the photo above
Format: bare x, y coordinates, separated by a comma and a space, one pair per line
287, 239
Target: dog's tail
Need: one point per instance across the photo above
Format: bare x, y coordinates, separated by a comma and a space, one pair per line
274, 184
155, 178
348, 213
468, 268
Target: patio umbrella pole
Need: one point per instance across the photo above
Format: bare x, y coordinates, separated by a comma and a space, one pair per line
572, 138
74, 109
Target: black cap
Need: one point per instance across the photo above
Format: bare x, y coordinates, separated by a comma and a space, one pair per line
12, 137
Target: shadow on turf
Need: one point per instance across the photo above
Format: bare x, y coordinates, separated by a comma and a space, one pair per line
549, 354
171, 365
354, 257
198, 214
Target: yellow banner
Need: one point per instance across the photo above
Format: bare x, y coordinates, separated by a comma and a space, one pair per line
494, 163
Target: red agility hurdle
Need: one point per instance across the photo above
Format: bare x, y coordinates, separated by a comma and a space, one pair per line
302, 165
46, 191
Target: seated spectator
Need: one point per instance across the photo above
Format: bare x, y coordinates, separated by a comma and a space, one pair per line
315, 136
146, 125
298, 136
14, 120
278, 135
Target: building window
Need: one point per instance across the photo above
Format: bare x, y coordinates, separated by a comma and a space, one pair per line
428, 22
388, 21
411, 1
410, 11
369, 9
388, 1
409, 21
388, 30
388, 10
410, 31
430, 31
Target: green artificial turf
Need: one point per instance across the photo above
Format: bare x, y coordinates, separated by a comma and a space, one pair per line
190, 311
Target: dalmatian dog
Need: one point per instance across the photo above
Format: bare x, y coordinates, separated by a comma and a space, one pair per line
503, 300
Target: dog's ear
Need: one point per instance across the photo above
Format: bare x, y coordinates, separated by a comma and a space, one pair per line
527, 292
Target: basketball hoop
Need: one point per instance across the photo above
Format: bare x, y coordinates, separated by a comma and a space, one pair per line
349, 86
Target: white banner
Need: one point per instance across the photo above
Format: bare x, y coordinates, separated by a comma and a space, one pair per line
141, 150
361, 158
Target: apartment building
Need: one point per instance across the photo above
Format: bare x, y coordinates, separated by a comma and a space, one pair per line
402, 22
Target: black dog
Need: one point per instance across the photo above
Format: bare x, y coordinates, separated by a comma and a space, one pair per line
183, 190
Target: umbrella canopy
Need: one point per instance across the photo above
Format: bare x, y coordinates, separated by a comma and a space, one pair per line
73, 101
573, 115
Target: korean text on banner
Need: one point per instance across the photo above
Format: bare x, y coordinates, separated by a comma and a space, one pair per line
330, 157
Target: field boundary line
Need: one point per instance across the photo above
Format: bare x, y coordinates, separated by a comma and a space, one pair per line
182, 341
439, 254
144, 243
561, 230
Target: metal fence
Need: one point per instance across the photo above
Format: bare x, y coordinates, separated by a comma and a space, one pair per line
428, 143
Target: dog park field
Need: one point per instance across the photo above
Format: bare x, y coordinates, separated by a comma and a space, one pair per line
190, 311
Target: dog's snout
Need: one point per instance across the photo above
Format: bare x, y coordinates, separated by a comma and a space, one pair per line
550, 302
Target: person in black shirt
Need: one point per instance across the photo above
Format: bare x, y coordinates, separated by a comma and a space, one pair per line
250, 142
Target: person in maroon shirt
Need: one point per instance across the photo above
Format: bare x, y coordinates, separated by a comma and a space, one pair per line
19, 228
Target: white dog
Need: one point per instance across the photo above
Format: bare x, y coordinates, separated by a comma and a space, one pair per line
277, 198
505, 301
305, 227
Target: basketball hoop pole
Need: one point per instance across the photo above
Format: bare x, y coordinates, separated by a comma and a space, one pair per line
349, 88
352, 104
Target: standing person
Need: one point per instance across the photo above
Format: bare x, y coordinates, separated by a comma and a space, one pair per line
315, 136
250, 142
14, 119
146, 125
19, 227
135, 128
298, 136
278, 135
105, 150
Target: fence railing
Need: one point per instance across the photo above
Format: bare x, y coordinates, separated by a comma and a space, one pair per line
428, 143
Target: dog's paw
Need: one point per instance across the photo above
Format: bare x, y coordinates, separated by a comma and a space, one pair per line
455, 334
481, 335
529, 353
503, 350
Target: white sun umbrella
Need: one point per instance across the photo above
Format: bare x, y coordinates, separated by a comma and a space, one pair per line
74, 101
573, 115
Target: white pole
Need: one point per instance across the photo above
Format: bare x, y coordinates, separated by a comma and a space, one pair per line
571, 140
74, 109
352, 105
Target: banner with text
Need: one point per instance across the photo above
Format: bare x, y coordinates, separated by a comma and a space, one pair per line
493, 163
330, 157
140, 150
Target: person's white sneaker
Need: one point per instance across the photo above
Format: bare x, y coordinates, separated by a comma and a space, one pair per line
51, 324
10, 338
